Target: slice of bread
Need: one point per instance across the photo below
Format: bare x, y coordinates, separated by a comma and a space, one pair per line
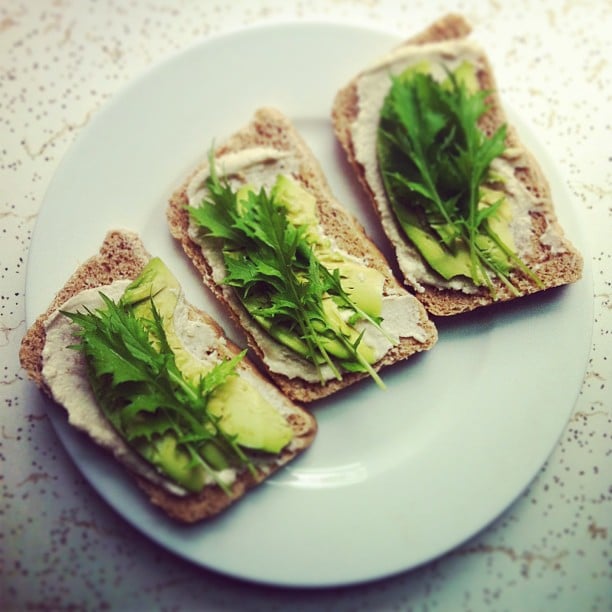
271, 129
122, 256
549, 254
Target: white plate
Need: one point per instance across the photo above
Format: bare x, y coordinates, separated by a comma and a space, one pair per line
394, 478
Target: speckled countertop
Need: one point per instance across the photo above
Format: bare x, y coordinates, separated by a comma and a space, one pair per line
61, 547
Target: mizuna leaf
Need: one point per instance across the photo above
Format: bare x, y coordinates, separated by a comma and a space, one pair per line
137, 384
434, 158
274, 271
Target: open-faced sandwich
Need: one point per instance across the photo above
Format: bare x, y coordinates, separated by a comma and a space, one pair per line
315, 297
156, 382
463, 203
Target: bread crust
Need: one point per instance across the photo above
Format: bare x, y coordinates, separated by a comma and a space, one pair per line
270, 128
122, 256
553, 269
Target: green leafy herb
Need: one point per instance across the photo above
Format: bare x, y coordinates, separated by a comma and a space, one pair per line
434, 160
278, 278
146, 398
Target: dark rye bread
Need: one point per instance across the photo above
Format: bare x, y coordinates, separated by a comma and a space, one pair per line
122, 256
270, 128
553, 268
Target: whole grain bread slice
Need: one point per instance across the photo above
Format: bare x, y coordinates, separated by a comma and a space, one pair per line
554, 267
122, 256
270, 128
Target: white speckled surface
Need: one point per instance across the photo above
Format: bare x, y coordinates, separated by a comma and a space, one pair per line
61, 547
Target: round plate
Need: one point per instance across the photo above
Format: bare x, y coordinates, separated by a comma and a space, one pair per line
394, 478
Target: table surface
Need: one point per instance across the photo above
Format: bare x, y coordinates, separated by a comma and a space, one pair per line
61, 546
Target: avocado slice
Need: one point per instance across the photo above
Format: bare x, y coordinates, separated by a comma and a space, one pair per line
499, 221
157, 285
246, 415
450, 264
334, 320
283, 335
164, 453
465, 73
154, 278
363, 285
242, 195
445, 263
299, 204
